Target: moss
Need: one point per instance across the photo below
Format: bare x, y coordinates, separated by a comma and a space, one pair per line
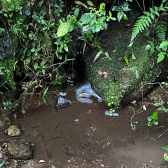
123, 78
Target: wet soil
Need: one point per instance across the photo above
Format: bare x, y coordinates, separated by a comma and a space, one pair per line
95, 140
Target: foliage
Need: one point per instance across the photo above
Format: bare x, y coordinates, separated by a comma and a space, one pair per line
7, 104
153, 119
1, 164
121, 9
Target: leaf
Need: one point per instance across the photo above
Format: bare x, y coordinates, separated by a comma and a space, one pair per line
80, 3
97, 56
85, 19
120, 14
90, 3
151, 51
126, 60
8, 121
44, 95
107, 55
161, 57
33, 50
133, 56
125, 17
76, 13
164, 147
10, 15
149, 124
155, 113
2, 164
63, 29
149, 118
101, 7
36, 65
164, 45
144, 107
156, 122
148, 47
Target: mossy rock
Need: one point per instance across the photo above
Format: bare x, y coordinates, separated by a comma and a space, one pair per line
124, 81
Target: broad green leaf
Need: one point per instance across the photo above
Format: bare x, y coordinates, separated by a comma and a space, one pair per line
126, 60
35, 65
33, 50
76, 13
156, 122
164, 45
120, 14
85, 19
148, 47
10, 15
161, 57
164, 147
63, 29
116, 8
80, 3
149, 124
151, 51
90, 3
155, 113
149, 118
65, 47
125, 17
101, 7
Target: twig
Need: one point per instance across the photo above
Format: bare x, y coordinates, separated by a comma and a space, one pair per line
45, 143
36, 126
56, 126
162, 134
139, 5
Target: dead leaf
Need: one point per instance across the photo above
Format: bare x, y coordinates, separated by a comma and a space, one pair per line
42, 161
103, 73
84, 46
144, 107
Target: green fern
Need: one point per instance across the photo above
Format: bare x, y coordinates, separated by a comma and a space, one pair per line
143, 22
161, 30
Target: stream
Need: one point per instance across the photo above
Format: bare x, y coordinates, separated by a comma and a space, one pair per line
81, 135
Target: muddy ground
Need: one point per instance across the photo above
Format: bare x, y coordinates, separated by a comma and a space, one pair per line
95, 140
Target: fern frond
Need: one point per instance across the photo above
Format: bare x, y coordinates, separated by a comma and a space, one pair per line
142, 23
161, 30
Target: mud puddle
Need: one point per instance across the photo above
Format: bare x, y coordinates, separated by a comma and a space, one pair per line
93, 140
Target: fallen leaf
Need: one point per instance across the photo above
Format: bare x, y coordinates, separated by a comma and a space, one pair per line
144, 107
103, 73
84, 46
42, 161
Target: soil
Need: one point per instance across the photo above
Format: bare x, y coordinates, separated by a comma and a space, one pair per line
95, 140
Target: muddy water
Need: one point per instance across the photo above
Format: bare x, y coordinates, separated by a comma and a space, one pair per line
95, 140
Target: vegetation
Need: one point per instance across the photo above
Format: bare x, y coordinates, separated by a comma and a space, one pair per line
37, 38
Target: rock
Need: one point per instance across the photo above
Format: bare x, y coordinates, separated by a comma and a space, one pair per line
13, 130
69, 151
125, 81
20, 150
